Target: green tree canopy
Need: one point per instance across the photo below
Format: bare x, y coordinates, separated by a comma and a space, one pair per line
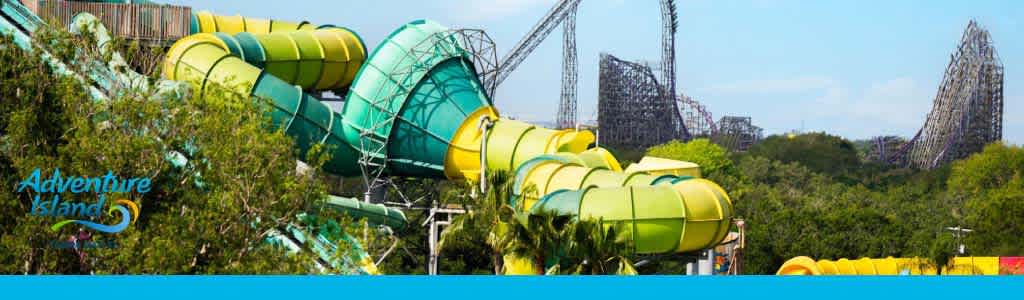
991, 186
820, 152
713, 159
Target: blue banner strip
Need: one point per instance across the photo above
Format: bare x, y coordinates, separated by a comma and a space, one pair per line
509, 287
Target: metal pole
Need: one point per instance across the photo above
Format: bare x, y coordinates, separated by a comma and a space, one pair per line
485, 125
432, 263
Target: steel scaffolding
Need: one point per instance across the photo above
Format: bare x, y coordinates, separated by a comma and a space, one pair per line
697, 118
737, 134
967, 112
637, 109
634, 110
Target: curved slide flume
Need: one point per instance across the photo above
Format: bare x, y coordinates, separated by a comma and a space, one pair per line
415, 108
663, 213
967, 265
207, 60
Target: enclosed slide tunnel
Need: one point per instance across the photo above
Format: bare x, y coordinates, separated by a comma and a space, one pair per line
415, 107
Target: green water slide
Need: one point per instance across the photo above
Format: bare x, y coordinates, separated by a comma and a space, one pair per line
253, 65
410, 99
662, 213
416, 108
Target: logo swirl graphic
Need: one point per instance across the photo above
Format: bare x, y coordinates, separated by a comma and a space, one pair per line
126, 218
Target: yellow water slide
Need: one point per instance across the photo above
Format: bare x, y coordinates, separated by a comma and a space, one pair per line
803, 265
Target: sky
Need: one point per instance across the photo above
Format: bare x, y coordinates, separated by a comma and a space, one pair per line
851, 68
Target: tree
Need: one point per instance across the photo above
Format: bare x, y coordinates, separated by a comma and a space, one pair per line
995, 167
819, 152
598, 249
991, 186
713, 159
248, 175
486, 219
536, 237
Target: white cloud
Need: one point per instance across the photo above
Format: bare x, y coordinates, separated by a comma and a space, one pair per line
484, 10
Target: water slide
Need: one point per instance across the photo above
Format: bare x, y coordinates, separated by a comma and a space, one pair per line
803, 265
664, 213
415, 108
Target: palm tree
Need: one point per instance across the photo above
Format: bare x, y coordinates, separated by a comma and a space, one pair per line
538, 237
597, 249
486, 219
542, 237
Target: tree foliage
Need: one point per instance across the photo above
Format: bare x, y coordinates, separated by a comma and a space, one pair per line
861, 210
991, 186
248, 174
819, 152
713, 159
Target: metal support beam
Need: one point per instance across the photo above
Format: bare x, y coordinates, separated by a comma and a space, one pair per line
540, 31
434, 231
567, 107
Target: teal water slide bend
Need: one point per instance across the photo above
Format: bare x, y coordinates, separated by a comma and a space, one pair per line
414, 92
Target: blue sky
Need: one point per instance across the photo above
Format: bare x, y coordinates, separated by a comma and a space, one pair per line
851, 68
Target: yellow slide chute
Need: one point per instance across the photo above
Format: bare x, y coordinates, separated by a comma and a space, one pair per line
803, 265
312, 57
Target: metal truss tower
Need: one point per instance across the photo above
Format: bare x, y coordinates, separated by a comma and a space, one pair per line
567, 106
562, 13
670, 22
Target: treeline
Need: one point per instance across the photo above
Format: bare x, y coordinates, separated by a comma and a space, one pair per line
811, 195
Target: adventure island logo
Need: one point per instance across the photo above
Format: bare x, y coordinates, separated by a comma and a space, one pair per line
47, 200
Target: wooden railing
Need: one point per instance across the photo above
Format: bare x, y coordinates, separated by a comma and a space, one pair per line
147, 22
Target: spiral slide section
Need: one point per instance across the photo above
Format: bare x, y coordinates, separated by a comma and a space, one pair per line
803, 265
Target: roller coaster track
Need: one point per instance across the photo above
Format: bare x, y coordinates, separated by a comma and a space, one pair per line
967, 112
698, 119
634, 109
